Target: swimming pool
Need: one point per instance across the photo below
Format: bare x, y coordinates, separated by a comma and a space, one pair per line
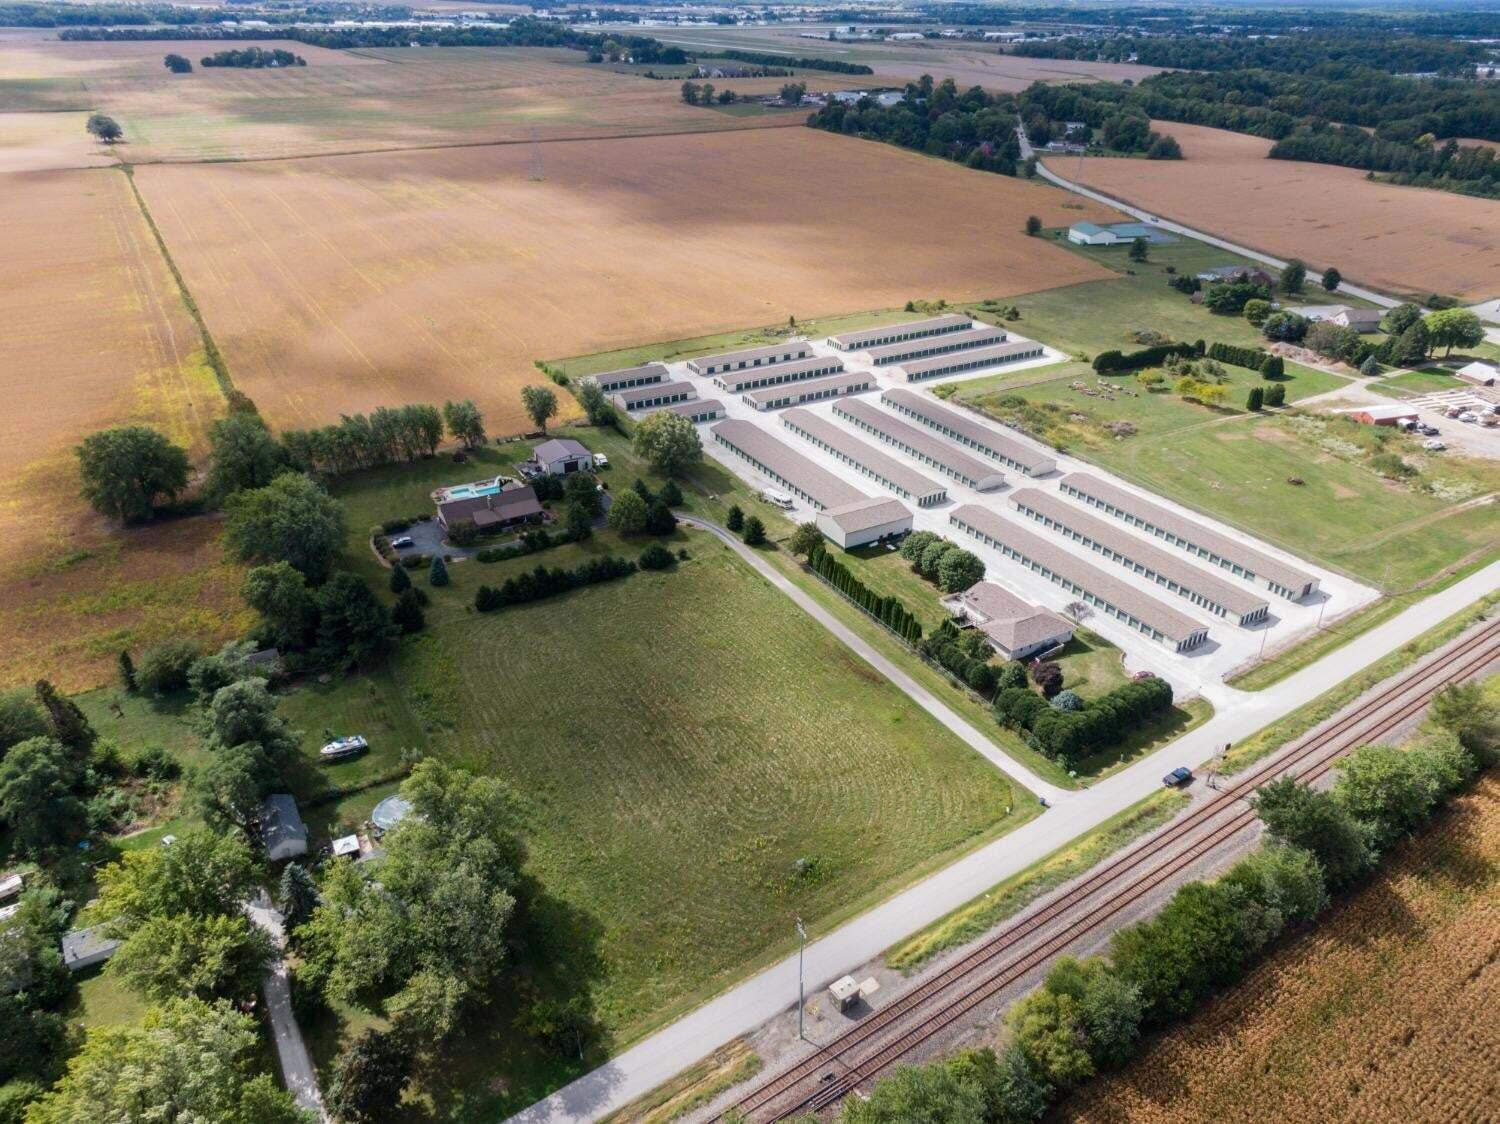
470, 491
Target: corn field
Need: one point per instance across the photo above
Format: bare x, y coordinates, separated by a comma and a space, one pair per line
1385, 1011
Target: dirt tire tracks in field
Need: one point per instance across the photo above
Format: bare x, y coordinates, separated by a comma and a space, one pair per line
210, 348
617, 135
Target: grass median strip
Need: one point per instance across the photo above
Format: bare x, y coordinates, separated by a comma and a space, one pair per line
1297, 723
1021, 889
693, 1088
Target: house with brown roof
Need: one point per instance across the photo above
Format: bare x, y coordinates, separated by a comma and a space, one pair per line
494, 511
1016, 629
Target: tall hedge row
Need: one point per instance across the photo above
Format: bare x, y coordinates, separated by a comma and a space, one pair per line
1111, 362
1069, 735
1251, 358
890, 611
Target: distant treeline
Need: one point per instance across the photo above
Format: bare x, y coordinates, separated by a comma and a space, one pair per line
1117, 125
522, 32
142, 15
761, 59
253, 58
1289, 54
975, 128
1297, 110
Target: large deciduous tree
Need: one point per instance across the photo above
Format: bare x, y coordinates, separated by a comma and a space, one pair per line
291, 519
127, 470
540, 404
186, 1061
668, 442
242, 454
464, 422
1454, 327
37, 804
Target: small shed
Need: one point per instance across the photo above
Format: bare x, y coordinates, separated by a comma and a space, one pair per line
1383, 415
83, 948
1479, 374
562, 455
844, 992
346, 845
282, 829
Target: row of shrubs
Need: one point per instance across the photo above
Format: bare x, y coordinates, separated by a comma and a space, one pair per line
1111, 362
1250, 358
965, 655
541, 583
1068, 735
532, 542
1088, 1016
889, 611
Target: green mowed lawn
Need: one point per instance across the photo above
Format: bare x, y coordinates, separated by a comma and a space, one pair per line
1343, 514
1099, 315
1417, 382
702, 761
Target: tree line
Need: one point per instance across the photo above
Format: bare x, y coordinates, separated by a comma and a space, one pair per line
249, 58
1117, 127
1067, 734
974, 128
889, 611
1089, 1016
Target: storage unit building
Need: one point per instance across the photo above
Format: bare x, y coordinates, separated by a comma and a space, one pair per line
906, 482
982, 336
612, 381
900, 333
1233, 554
699, 409
753, 357
918, 443
1208, 591
1119, 599
654, 394
798, 370
800, 476
970, 432
813, 390
1013, 351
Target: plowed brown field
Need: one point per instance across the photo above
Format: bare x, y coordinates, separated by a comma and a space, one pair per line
1404, 239
1384, 1012
95, 335
344, 283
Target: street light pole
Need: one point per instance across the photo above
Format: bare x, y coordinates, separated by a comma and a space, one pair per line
801, 948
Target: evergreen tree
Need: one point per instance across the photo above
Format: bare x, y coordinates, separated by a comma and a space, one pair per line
297, 895
437, 573
1332, 279
1276, 395
1370, 367
400, 579
127, 671
407, 614
736, 518
65, 721
1255, 399
1412, 345
755, 531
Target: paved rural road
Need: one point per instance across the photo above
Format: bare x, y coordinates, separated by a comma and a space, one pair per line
746, 1006
1177, 228
296, 1064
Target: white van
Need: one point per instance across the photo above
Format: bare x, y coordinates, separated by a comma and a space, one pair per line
779, 499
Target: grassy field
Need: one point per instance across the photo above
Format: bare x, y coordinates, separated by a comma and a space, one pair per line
1021, 889
1383, 1011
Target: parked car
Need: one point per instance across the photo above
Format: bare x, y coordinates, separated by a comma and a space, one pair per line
402, 543
1178, 777
1433, 445
1453, 411
1429, 430
601, 460
1468, 416
340, 748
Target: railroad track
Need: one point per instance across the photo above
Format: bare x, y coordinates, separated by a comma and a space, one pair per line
872, 1045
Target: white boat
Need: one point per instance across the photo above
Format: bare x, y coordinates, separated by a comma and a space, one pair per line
340, 748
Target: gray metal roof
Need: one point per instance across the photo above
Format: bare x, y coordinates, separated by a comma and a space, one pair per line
732, 381
943, 453
1234, 549
633, 394
608, 380
280, 821
1123, 595
969, 359
1112, 537
885, 468
861, 515
696, 407
807, 477
761, 355
850, 379
857, 341
1006, 449
957, 341
82, 947
559, 448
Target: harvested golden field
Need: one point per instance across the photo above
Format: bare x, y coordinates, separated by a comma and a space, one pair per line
1384, 1012
350, 101
40, 142
95, 335
340, 284
1403, 239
